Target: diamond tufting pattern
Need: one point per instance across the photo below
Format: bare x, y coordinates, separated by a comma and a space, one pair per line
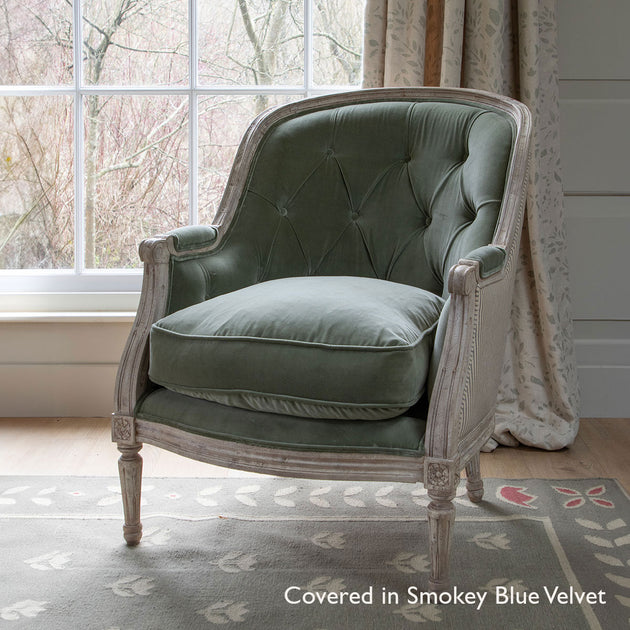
396, 191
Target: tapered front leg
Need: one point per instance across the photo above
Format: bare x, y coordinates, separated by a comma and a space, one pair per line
130, 471
474, 482
441, 521
441, 483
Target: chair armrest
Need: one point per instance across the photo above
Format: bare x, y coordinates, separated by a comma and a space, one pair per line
192, 238
471, 338
491, 259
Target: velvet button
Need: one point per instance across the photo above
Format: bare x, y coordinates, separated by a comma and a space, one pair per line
355, 216
282, 212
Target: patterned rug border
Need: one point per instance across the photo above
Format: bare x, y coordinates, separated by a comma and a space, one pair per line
573, 533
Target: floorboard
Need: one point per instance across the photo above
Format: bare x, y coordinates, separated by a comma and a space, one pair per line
82, 447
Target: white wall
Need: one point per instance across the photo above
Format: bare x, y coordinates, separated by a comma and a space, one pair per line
595, 141
66, 367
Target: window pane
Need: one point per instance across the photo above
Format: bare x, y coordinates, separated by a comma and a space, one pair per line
222, 122
135, 42
251, 42
36, 183
35, 42
337, 41
136, 174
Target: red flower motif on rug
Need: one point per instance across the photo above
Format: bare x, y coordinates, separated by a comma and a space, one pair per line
516, 496
578, 499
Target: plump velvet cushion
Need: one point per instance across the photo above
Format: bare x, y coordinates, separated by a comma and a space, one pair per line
319, 346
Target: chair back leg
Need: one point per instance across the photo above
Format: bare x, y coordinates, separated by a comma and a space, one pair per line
474, 482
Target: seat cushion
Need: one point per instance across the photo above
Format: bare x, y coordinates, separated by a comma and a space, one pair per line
323, 347
402, 435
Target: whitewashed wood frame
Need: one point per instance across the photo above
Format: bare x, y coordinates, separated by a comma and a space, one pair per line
461, 409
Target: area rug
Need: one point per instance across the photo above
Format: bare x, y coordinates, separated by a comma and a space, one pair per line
287, 554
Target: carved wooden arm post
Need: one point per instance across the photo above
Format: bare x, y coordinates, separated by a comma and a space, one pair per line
132, 381
461, 414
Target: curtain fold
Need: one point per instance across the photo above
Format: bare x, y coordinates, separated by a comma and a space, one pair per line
507, 47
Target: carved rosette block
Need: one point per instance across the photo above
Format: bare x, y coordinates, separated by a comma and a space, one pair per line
440, 478
123, 430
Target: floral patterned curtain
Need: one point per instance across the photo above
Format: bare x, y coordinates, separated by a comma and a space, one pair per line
506, 47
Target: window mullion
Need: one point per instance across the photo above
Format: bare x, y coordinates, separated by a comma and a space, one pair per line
79, 218
308, 46
193, 138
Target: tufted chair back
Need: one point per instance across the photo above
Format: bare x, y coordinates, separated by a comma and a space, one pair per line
398, 191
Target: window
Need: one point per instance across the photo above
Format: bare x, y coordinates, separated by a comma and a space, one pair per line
132, 132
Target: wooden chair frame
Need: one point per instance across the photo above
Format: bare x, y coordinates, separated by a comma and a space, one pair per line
461, 408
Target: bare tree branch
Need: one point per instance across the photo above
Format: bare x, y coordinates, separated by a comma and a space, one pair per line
128, 161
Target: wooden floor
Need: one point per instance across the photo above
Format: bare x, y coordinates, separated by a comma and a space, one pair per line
82, 447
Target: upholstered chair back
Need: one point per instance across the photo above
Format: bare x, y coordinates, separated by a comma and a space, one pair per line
398, 191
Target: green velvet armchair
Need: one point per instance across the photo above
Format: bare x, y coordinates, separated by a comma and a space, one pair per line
346, 318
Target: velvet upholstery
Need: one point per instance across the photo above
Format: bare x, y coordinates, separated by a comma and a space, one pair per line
322, 347
398, 191
403, 435
395, 193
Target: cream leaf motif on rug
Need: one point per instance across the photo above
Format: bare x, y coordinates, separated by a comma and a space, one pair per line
203, 496
132, 585
225, 611
350, 494
326, 584
55, 560
280, 496
487, 540
26, 608
224, 553
235, 562
614, 524
410, 562
316, 497
420, 613
7, 499
616, 542
42, 497
610, 560
243, 495
159, 536
329, 540
381, 497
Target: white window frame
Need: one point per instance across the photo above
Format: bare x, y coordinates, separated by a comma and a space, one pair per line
82, 289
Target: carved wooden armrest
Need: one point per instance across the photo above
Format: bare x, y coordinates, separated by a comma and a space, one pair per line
464, 393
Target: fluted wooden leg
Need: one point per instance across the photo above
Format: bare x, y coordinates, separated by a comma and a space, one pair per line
474, 482
130, 471
441, 521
